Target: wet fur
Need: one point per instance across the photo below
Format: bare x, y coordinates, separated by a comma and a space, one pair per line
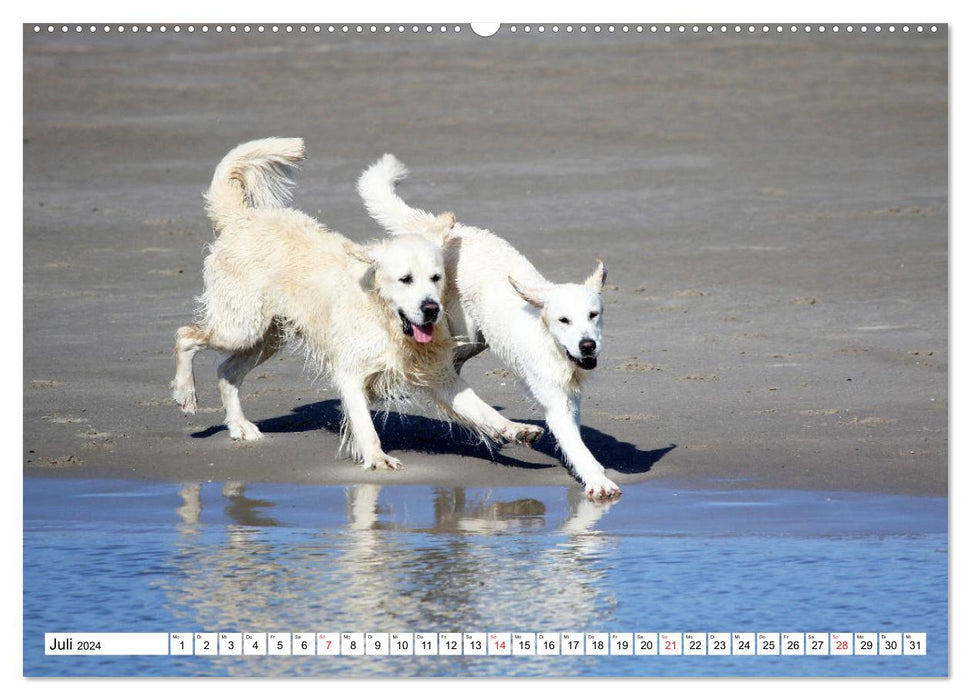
274, 276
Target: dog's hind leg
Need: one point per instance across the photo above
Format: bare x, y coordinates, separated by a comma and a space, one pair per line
365, 445
188, 341
231, 373
459, 402
563, 419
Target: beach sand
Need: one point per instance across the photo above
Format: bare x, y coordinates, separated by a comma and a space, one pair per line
772, 209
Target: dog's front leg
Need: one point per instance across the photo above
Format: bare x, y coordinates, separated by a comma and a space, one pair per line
458, 401
563, 418
365, 444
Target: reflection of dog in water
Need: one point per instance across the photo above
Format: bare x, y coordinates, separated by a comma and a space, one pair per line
367, 316
548, 334
383, 568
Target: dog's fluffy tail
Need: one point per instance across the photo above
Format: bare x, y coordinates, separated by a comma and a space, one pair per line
255, 174
376, 187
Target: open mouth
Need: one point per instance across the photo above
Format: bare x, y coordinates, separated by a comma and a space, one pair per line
588, 362
421, 333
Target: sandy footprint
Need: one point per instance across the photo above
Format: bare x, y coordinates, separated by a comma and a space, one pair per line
871, 420
46, 384
697, 378
635, 366
64, 420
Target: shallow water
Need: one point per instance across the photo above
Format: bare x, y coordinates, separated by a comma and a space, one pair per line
114, 556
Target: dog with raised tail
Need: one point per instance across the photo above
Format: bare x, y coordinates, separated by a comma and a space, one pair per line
368, 316
548, 334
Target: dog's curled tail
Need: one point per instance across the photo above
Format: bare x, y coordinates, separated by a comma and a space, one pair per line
376, 187
255, 174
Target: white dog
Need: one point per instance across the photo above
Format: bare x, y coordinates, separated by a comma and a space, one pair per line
548, 334
367, 316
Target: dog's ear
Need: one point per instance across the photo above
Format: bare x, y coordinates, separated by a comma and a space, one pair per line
535, 297
599, 276
367, 280
444, 223
446, 220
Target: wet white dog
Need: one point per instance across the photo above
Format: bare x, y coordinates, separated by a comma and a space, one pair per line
367, 316
548, 334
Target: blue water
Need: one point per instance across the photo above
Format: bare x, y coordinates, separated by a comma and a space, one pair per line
120, 556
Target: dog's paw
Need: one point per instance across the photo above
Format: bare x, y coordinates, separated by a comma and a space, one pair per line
244, 430
523, 434
185, 399
601, 489
383, 461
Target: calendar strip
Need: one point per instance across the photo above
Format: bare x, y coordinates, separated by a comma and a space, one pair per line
486, 644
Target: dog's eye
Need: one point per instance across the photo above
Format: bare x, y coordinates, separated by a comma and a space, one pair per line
406, 279
564, 320
436, 277
593, 315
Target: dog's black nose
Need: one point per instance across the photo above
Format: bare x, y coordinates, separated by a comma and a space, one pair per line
429, 310
587, 346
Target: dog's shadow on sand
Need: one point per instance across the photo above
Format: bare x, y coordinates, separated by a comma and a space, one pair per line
415, 433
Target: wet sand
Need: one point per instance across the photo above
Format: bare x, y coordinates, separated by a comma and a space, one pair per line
772, 211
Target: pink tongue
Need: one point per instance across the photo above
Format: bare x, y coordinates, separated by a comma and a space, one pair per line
423, 334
